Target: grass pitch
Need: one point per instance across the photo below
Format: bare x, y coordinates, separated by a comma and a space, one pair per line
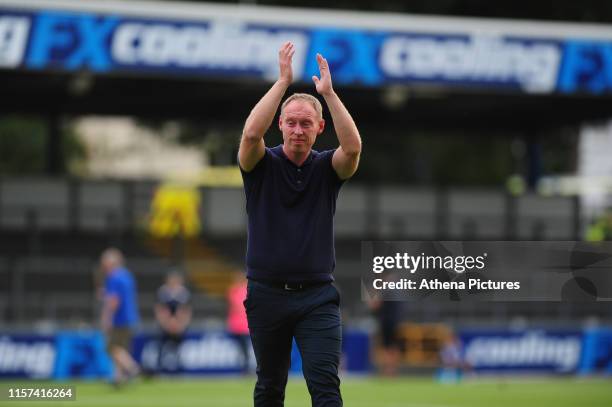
357, 392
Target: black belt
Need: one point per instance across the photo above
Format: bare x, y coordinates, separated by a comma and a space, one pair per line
292, 286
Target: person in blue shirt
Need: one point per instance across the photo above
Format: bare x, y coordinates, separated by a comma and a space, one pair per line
291, 192
119, 314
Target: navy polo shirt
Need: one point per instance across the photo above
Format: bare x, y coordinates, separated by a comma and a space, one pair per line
291, 217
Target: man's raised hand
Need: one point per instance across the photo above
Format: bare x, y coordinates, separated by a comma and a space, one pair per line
323, 84
285, 55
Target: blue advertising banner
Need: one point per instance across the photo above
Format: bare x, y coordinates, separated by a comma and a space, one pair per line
213, 352
587, 67
27, 356
82, 354
216, 352
110, 43
540, 351
597, 352
70, 41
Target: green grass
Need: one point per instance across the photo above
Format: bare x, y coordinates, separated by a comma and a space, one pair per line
357, 392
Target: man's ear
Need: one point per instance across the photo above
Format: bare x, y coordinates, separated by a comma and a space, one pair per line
280, 123
321, 126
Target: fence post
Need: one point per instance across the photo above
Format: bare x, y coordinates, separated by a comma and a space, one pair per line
511, 217
17, 290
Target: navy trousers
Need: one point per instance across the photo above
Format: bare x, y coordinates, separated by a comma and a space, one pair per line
312, 317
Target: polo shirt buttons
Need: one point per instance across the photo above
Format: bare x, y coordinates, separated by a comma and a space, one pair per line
299, 171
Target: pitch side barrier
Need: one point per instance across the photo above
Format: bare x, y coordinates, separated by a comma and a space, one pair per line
364, 49
81, 354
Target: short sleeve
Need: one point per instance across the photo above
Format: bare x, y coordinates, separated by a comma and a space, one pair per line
251, 178
258, 167
112, 288
327, 156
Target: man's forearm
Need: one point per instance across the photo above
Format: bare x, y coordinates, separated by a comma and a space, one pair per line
105, 319
263, 113
108, 311
346, 129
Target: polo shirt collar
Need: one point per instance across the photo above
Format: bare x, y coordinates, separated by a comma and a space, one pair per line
305, 163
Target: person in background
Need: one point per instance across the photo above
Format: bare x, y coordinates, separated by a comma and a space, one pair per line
237, 324
388, 315
119, 314
173, 314
453, 364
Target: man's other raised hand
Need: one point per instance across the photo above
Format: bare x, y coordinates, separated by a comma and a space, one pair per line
285, 56
324, 83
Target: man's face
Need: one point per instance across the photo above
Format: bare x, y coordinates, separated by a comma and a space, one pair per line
109, 262
300, 126
175, 281
107, 265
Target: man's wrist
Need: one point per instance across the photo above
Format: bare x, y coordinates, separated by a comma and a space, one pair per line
329, 93
284, 82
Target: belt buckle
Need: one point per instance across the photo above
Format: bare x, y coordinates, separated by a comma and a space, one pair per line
290, 288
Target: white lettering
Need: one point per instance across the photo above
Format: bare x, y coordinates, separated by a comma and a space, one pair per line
210, 352
479, 58
436, 284
35, 359
13, 40
400, 261
220, 46
531, 349
401, 284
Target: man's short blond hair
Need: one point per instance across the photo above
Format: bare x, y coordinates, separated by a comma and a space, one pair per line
306, 98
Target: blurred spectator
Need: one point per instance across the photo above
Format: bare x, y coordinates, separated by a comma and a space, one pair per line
119, 314
237, 324
388, 316
173, 314
453, 364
